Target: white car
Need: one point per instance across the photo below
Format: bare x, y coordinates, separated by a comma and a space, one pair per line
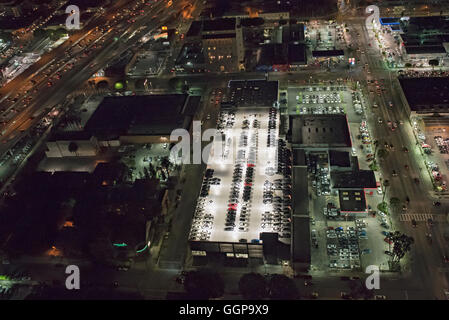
379, 190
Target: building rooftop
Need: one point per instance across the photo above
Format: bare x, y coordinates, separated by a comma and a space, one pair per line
425, 49
426, 95
138, 115
301, 240
300, 191
352, 201
219, 25
195, 29
219, 36
215, 199
320, 130
421, 25
297, 53
327, 53
87, 4
339, 158
190, 55
252, 93
272, 54
361, 179
293, 33
299, 157
389, 21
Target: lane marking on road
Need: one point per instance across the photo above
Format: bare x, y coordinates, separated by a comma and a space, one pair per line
421, 217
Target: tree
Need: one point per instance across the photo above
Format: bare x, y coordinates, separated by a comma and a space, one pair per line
386, 184
383, 207
253, 286
401, 245
283, 22
73, 147
204, 284
281, 287
394, 202
382, 153
359, 290
103, 84
434, 62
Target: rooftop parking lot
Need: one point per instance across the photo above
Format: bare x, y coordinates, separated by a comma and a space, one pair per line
247, 188
323, 99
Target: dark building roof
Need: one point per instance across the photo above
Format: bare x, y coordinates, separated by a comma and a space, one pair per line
219, 25
297, 53
425, 49
319, 130
14, 23
272, 54
50, 182
85, 4
339, 158
299, 157
300, 248
219, 36
70, 136
300, 191
327, 53
195, 29
273, 249
252, 93
190, 53
293, 33
361, 179
108, 173
395, 27
426, 95
352, 200
138, 115
421, 25
389, 21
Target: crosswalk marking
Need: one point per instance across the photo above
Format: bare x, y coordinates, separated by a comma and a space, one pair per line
421, 217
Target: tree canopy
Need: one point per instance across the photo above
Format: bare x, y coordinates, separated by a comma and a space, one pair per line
253, 286
281, 287
204, 284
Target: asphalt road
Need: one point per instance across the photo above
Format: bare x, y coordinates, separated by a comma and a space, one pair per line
426, 259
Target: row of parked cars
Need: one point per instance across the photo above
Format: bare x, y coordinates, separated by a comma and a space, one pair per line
203, 219
343, 247
278, 195
322, 88
271, 137
356, 102
320, 110
321, 98
226, 120
322, 181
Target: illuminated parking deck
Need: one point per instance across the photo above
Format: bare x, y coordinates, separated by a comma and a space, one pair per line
255, 153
